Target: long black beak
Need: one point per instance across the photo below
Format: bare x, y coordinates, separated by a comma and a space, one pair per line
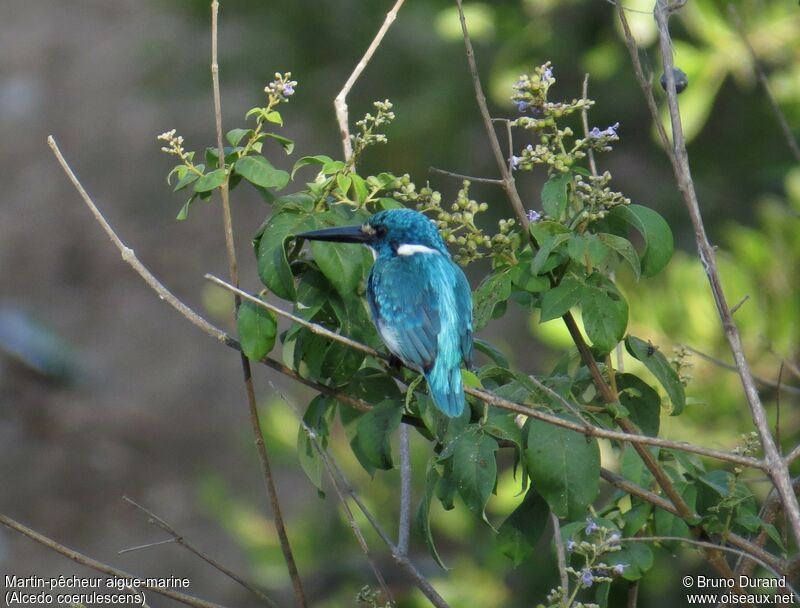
339, 234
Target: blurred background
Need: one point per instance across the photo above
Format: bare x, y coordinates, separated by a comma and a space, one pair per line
105, 391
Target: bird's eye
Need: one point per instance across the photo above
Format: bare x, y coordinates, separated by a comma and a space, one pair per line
380, 231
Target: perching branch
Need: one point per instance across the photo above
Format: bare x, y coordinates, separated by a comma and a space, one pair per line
505, 404
560, 554
340, 103
181, 540
230, 245
777, 468
84, 560
404, 527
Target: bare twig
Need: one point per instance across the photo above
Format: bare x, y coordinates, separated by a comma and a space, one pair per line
560, 555
746, 546
472, 178
181, 540
760, 379
629, 436
791, 140
404, 528
343, 490
494, 142
777, 468
230, 245
633, 594
84, 560
167, 541
585, 122
707, 545
340, 103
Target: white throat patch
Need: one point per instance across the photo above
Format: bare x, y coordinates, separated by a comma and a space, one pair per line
407, 249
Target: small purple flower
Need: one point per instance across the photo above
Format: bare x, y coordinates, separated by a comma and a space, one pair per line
614, 538
522, 105
611, 131
586, 577
547, 74
619, 569
533, 217
570, 543
591, 526
288, 89
515, 160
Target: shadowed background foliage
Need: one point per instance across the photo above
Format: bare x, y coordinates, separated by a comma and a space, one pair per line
104, 391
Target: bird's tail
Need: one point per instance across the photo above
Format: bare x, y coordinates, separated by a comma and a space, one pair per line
447, 390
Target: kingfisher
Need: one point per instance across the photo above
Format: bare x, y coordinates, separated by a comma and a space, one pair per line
420, 300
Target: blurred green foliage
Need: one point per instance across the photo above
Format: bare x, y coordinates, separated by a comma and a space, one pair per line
749, 191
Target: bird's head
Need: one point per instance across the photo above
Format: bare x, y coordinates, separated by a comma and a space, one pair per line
388, 233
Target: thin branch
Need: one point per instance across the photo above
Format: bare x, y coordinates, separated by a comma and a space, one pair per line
404, 527
167, 541
340, 103
791, 140
560, 555
181, 540
633, 594
472, 178
748, 547
777, 468
492, 399
585, 122
707, 545
230, 245
502, 162
761, 380
343, 490
84, 560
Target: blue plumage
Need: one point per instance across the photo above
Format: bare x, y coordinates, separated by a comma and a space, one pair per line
419, 298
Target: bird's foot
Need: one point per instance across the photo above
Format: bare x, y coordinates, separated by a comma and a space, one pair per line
395, 361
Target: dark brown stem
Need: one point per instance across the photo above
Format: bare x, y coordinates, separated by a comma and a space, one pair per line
230, 245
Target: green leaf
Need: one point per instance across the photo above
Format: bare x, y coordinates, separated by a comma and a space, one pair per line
641, 401
274, 117
636, 518
557, 301
313, 292
184, 181
564, 467
234, 136
659, 366
637, 558
546, 247
184, 211
502, 425
209, 181
315, 419
341, 265
269, 244
374, 433
494, 289
475, 468
604, 312
258, 171
554, 195
257, 329
286, 143
520, 533
360, 188
658, 242
490, 351
422, 518
344, 182
320, 159
624, 248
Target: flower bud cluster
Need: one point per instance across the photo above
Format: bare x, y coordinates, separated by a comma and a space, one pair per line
369, 132
280, 89
457, 223
682, 364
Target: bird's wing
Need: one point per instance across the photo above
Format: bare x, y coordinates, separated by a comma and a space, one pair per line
463, 297
405, 306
